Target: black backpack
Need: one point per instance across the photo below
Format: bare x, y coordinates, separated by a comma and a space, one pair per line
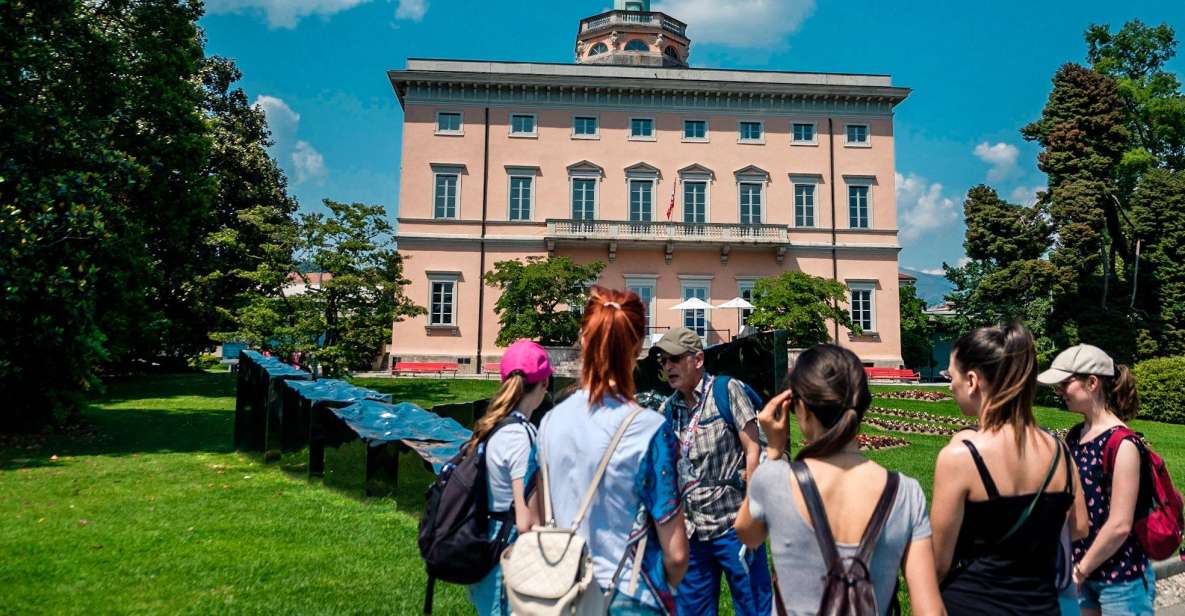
847, 586
454, 531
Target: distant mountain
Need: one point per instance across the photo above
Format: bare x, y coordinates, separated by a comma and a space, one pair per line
931, 287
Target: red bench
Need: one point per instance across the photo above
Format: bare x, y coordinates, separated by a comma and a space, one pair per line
892, 374
423, 367
494, 368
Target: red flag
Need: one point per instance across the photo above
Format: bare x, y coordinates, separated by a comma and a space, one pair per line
671, 207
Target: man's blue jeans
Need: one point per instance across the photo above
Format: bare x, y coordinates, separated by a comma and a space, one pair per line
749, 582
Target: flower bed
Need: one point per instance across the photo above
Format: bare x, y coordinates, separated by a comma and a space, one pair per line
923, 395
875, 442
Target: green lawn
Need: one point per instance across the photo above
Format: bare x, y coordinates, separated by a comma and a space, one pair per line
154, 512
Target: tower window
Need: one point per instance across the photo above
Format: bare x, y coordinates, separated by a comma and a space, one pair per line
671, 53
633, 6
637, 45
598, 49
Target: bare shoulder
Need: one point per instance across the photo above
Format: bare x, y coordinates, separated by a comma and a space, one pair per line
955, 452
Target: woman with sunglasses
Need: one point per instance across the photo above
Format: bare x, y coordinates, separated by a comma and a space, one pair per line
1111, 570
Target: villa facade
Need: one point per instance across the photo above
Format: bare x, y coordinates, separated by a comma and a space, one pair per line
686, 182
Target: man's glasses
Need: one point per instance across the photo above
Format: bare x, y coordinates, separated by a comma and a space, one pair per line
664, 359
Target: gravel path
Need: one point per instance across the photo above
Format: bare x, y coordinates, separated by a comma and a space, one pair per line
1170, 596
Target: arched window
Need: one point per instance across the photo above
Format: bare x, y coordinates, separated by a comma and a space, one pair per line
637, 45
598, 49
671, 53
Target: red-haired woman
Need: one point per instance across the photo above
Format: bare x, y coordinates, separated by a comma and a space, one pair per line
635, 507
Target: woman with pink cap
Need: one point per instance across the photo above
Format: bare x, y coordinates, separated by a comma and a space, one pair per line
508, 436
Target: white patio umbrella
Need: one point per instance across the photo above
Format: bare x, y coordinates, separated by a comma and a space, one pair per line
740, 304
694, 303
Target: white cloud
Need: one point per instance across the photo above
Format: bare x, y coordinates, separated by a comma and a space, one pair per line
1025, 195
411, 9
934, 271
1002, 158
281, 119
283, 13
739, 23
921, 207
963, 261
307, 162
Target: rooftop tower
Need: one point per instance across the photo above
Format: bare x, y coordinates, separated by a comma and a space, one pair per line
632, 35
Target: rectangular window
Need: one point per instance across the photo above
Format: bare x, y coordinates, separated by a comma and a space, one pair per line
750, 203
520, 197
641, 200
645, 291
746, 293
641, 128
583, 126
522, 124
446, 195
695, 130
804, 133
442, 304
862, 308
583, 198
858, 134
750, 131
858, 207
448, 122
695, 202
804, 205
696, 320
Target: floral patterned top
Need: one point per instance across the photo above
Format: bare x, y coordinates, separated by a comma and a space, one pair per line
1129, 562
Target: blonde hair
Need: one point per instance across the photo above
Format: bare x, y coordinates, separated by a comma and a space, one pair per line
505, 400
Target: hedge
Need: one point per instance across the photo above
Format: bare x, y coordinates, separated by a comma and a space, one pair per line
1161, 384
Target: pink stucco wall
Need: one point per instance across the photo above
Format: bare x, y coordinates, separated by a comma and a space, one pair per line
452, 246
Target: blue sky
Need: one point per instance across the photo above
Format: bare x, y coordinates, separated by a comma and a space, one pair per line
979, 71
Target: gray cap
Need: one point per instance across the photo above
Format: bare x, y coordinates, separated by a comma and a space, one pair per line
1078, 359
679, 340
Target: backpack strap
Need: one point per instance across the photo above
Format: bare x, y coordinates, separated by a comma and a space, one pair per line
814, 505
880, 516
1111, 448
724, 401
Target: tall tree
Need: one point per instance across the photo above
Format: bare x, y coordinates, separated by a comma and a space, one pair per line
541, 299
803, 305
1158, 207
916, 347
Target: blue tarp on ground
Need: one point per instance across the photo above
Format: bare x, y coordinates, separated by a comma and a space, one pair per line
435, 438
334, 390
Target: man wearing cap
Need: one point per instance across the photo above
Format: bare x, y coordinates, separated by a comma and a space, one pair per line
715, 421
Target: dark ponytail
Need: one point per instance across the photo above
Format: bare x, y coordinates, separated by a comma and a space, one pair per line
1122, 398
832, 385
1006, 360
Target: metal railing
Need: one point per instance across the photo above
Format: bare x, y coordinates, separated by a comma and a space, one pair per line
633, 18
666, 230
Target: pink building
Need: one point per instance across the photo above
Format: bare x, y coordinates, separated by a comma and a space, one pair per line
767, 172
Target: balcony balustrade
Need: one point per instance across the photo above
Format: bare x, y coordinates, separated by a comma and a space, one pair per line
633, 18
707, 232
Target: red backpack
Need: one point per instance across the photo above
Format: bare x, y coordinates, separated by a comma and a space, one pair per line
1159, 531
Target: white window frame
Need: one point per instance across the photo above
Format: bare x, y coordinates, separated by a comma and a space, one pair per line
437, 171
760, 126
534, 134
814, 141
596, 180
707, 131
452, 278
850, 183
761, 195
649, 281
460, 126
513, 173
867, 143
686, 282
596, 134
870, 287
629, 189
797, 180
706, 180
653, 129
746, 283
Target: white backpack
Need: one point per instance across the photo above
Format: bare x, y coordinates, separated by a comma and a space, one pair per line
549, 571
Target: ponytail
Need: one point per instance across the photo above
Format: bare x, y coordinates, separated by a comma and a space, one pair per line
1122, 398
505, 400
614, 322
833, 386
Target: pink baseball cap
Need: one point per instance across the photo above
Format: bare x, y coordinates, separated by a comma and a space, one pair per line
527, 358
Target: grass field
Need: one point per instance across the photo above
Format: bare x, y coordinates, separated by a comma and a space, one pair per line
153, 512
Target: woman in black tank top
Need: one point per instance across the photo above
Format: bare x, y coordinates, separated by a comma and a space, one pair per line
997, 553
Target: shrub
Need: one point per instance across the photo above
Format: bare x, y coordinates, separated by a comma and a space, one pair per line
205, 361
1161, 383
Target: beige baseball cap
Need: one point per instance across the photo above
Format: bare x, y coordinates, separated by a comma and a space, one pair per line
1078, 359
678, 341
